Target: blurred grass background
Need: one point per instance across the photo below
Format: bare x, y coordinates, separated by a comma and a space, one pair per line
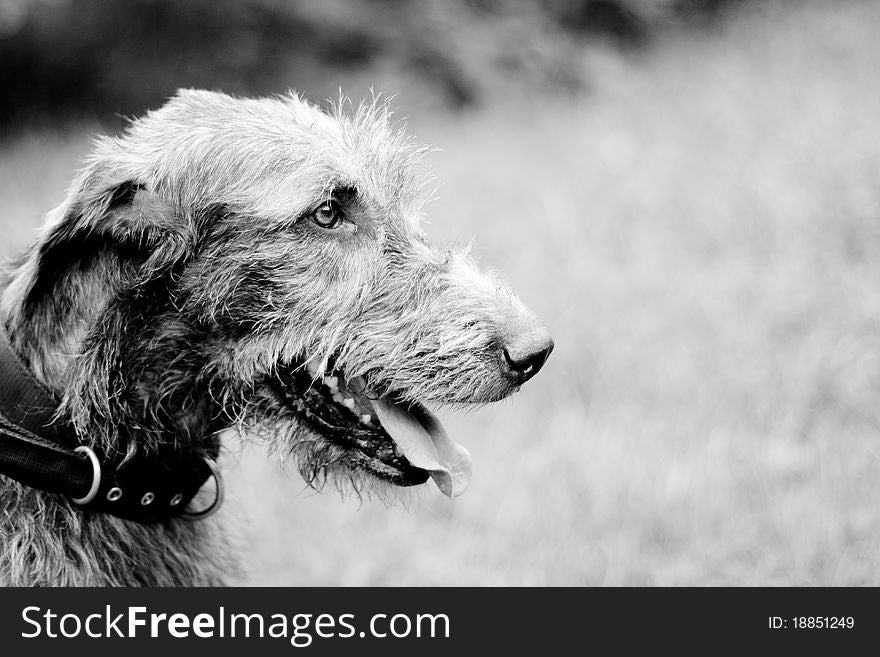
687, 194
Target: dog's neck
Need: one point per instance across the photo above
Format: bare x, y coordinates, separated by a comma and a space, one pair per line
57, 334
50, 334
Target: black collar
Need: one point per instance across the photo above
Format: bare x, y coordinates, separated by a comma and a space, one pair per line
44, 452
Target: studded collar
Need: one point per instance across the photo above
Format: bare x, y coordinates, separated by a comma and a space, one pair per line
43, 451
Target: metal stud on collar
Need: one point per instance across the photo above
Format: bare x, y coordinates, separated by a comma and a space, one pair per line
218, 497
96, 475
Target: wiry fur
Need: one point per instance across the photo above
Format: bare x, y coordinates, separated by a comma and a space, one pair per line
180, 271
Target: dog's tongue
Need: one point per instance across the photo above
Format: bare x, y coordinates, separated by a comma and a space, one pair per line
424, 442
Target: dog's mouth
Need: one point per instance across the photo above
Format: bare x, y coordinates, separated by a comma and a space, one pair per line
402, 443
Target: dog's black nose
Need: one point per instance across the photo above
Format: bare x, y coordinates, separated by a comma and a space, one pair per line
524, 356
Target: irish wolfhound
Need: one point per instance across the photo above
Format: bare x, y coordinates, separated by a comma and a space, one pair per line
247, 263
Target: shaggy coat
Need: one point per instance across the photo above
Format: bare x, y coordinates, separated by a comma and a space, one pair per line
187, 268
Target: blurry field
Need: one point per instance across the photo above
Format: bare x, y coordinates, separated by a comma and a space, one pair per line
701, 234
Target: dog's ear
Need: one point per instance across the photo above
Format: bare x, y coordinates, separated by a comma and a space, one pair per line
139, 226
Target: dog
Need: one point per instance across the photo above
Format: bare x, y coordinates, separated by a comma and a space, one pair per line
246, 265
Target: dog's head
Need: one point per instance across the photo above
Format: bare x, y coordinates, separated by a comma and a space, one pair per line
260, 262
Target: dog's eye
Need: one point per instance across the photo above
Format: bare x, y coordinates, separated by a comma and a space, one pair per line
328, 215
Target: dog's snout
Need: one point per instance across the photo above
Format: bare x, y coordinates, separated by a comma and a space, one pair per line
524, 355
